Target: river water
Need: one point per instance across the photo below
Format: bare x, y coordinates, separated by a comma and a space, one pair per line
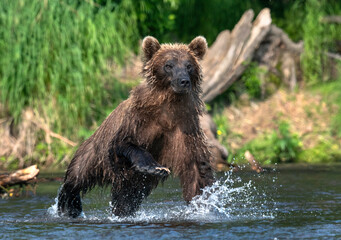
287, 202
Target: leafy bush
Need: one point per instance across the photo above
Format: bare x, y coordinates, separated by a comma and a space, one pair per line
286, 145
208, 18
252, 81
325, 151
279, 147
318, 38
155, 18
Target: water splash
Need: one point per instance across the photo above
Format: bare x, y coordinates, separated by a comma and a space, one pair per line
231, 198
53, 210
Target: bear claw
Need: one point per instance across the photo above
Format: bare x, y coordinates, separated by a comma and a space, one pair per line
163, 169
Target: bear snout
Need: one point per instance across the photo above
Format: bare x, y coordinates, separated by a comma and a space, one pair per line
181, 85
184, 82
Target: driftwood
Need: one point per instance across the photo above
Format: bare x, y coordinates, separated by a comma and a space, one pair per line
21, 176
255, 166
277, 49
260, 42
230, 54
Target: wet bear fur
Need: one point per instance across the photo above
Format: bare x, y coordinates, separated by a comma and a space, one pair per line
154, 132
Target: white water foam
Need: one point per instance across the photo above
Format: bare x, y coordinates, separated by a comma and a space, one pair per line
228, 199
53, 210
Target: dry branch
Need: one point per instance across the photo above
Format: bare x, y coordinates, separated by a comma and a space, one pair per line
331, 19
20, 141
40, 123
334, 55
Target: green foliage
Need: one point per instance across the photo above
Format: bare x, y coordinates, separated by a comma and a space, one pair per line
326, 151
256, 83
293, 20
54, 57
223, 129
313, 56
220, 120
279, 147
319, 38
261, 148
286, 145
155, 18
252, 81
208, 18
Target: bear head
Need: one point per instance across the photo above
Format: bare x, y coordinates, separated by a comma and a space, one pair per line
174, 67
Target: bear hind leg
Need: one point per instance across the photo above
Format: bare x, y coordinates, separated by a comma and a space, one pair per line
69, 201
126, 204
128, 197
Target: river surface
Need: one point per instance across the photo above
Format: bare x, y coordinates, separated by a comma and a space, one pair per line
287, 202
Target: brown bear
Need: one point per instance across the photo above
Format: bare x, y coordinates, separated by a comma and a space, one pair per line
155, 131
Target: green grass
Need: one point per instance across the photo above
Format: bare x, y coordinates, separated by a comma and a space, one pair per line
54, 57
313, 31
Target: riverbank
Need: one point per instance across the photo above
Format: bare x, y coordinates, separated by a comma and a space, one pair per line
301, 126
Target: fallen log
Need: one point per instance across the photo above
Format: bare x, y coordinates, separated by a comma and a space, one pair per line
21, 176
277, 49
230, 54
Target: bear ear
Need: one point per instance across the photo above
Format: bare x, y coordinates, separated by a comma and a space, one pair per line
150, 46
198, 46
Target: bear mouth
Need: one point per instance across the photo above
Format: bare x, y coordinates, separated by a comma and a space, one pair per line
180, 90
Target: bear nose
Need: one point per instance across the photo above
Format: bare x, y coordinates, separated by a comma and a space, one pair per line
184, 82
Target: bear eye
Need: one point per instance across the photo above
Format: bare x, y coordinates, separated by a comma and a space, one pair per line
168, 67
189, 67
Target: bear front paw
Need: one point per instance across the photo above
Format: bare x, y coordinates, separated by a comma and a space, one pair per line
154, 170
